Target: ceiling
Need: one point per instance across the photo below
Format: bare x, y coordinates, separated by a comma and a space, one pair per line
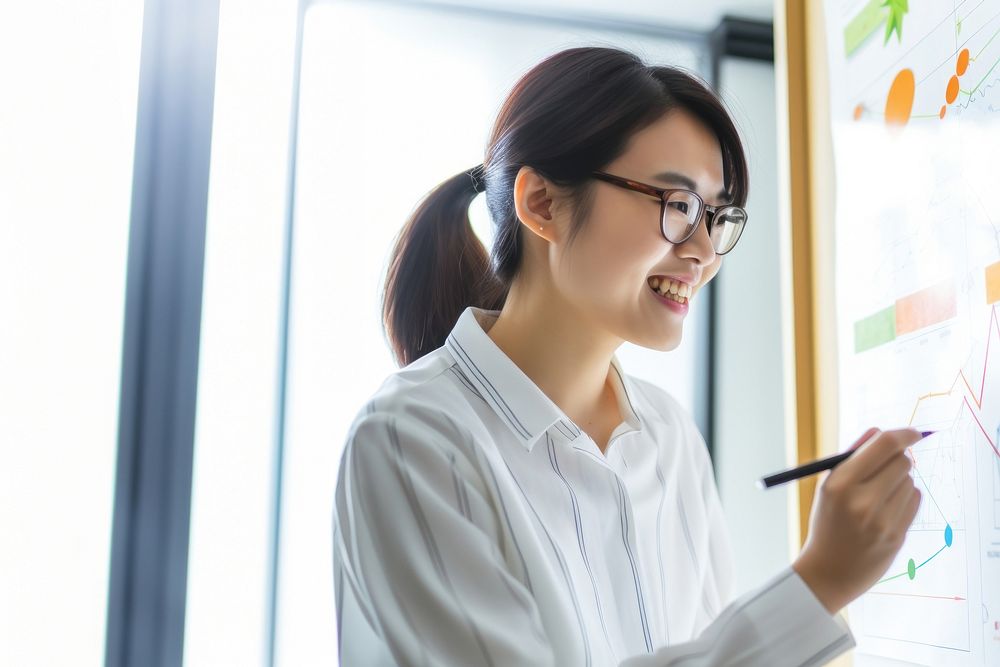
700, 15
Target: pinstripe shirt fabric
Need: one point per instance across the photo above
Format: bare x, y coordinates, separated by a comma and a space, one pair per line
476, 524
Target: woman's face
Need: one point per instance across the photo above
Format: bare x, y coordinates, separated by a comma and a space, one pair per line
607, 271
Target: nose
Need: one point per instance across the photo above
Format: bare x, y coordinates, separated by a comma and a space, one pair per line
699, 247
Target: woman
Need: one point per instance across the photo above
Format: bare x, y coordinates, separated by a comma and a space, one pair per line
511, 496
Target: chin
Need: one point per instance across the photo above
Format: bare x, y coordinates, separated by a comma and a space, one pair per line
661, 344
671, 345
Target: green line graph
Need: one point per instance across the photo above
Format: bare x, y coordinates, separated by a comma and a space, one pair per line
949, 538
911, 568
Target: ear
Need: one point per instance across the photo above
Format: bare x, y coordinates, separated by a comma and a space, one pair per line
533, 203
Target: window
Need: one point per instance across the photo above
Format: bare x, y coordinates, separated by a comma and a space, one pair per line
67, 126
233, 479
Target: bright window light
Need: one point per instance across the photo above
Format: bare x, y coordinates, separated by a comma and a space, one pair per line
68, 83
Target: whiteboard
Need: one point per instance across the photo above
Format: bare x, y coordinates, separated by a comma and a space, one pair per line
915, 123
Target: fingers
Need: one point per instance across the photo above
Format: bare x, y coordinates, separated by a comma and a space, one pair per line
890, 476
869, 458
902, 506
891, 517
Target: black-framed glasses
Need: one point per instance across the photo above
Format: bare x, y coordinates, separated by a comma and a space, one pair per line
681, 210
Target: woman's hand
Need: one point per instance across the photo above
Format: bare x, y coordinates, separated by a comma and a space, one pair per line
860, 515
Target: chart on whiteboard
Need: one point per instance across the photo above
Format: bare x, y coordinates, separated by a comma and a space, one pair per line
915, 120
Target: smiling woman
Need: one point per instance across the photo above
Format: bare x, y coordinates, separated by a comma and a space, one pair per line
512, 496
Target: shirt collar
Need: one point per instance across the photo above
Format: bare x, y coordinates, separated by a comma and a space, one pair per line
516, 399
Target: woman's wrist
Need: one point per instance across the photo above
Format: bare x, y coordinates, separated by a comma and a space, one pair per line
821, 586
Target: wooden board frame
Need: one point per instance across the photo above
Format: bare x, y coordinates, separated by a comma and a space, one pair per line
808, 195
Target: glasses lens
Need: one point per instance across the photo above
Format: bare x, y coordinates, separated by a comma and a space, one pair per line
680, 214
726, 227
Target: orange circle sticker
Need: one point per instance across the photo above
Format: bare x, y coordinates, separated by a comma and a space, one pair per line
963, 62
952, 93
899, 102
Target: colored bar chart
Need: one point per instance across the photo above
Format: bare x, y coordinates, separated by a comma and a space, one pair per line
913, 312
875, 329
925, 308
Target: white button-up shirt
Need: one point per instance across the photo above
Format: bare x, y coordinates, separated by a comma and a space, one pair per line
476, 524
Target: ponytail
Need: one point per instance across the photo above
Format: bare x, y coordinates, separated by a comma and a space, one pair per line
437, 267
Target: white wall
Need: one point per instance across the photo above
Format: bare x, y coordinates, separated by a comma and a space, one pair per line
749, 410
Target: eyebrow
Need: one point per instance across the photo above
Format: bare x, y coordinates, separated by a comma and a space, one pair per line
675, 177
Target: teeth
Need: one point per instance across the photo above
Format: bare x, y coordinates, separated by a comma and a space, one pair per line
671, 289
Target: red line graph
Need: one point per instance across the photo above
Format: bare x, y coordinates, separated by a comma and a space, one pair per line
994, 325
980, 424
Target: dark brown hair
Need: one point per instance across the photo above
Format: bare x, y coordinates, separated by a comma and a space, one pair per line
570, 114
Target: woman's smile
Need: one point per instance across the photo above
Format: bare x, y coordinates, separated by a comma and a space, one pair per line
675, 294
677, 304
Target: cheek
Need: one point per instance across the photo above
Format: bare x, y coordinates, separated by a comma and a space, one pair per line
611, 257
628, 232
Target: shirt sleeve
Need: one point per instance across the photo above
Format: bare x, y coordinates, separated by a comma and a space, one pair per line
419, 547
779, 623
417, 540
